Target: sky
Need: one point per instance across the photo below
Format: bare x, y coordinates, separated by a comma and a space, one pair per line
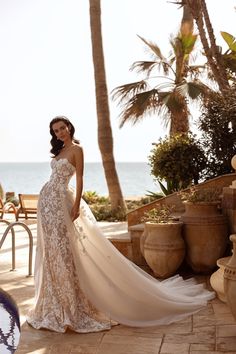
46, 70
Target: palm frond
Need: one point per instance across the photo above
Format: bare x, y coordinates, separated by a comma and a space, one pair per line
124, 92
156, 50
144, 66
188, 43
230, 40
193, 89
140, 106
154, 47
230, 61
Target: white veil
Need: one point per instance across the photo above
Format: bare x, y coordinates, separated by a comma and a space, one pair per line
120, 289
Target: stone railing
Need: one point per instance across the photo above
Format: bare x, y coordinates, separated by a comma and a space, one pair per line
134, 217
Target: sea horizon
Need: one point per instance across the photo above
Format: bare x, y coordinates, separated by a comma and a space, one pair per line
29, 177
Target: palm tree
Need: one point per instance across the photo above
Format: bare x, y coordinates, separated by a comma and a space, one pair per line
229, 56
200, 14
168, 98
105, 139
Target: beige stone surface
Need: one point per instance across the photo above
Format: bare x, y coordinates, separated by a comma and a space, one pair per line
182, 348
211, 330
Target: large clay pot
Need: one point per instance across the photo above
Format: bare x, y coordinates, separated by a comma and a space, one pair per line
205, 232
164, 247
217, 278
230, 279
143, 238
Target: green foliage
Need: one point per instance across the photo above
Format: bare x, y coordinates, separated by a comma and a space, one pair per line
92, 197
154, 195
103, 212
229, 57
178, 160
167, 94
160, 214
168, 189
230, 40
101, 206
201, 195
218, 126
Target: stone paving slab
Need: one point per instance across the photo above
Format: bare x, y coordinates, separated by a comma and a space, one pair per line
211, 330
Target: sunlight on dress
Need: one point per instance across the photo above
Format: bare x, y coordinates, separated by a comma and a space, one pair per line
84, 283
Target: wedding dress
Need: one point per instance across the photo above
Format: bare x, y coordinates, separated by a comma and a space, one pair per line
84, 283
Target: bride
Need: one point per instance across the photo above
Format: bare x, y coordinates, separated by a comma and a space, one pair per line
82, 281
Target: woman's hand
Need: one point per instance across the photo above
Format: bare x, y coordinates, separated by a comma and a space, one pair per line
74, 213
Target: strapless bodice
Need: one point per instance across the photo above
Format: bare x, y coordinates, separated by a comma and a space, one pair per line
62, 171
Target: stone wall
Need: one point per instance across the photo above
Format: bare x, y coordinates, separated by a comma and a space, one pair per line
134, 217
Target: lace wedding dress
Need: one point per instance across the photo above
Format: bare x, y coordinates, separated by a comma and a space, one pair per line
84, 283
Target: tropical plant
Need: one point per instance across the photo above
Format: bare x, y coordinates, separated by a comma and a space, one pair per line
165, 94
229, 56
178, 160
105, 139
92, 197
201, 195
218, 126
154, 195
161, 214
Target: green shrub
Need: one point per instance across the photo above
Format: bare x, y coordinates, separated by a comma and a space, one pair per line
218, 126
91, 197
178, 160
101, 206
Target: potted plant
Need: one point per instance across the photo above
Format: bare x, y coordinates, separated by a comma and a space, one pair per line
205, 229
162, 244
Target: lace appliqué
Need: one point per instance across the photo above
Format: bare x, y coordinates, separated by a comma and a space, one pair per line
61, 303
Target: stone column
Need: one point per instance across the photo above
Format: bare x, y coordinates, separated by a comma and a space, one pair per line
229, 201
229, 207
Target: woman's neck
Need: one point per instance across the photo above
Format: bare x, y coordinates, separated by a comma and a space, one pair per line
67, 144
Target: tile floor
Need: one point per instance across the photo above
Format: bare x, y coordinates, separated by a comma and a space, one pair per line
212, 330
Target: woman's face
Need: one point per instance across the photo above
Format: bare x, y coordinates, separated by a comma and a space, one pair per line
62, 131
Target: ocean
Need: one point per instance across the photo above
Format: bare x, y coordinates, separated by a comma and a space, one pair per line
29, 177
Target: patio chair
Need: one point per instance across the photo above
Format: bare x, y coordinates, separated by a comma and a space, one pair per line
6, 208
28, 206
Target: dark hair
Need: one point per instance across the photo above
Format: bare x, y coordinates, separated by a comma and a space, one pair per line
57, 145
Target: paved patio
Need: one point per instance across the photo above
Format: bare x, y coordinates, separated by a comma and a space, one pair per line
212, 330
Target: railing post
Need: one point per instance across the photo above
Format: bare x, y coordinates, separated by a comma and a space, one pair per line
10, 227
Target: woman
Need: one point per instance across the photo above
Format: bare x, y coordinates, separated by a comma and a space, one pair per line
82, 282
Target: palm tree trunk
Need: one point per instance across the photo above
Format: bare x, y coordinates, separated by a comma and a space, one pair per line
199, 11
105, 139
214, 47
179, 119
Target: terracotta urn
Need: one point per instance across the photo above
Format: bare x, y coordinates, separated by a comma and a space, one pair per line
205, 232
163, 247
217, 278
143, 238
230, 279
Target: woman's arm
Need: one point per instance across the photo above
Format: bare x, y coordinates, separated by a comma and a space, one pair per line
79, 170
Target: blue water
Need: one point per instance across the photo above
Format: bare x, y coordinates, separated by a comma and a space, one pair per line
21, 177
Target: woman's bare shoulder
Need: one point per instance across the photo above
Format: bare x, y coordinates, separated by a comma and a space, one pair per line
77, 148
